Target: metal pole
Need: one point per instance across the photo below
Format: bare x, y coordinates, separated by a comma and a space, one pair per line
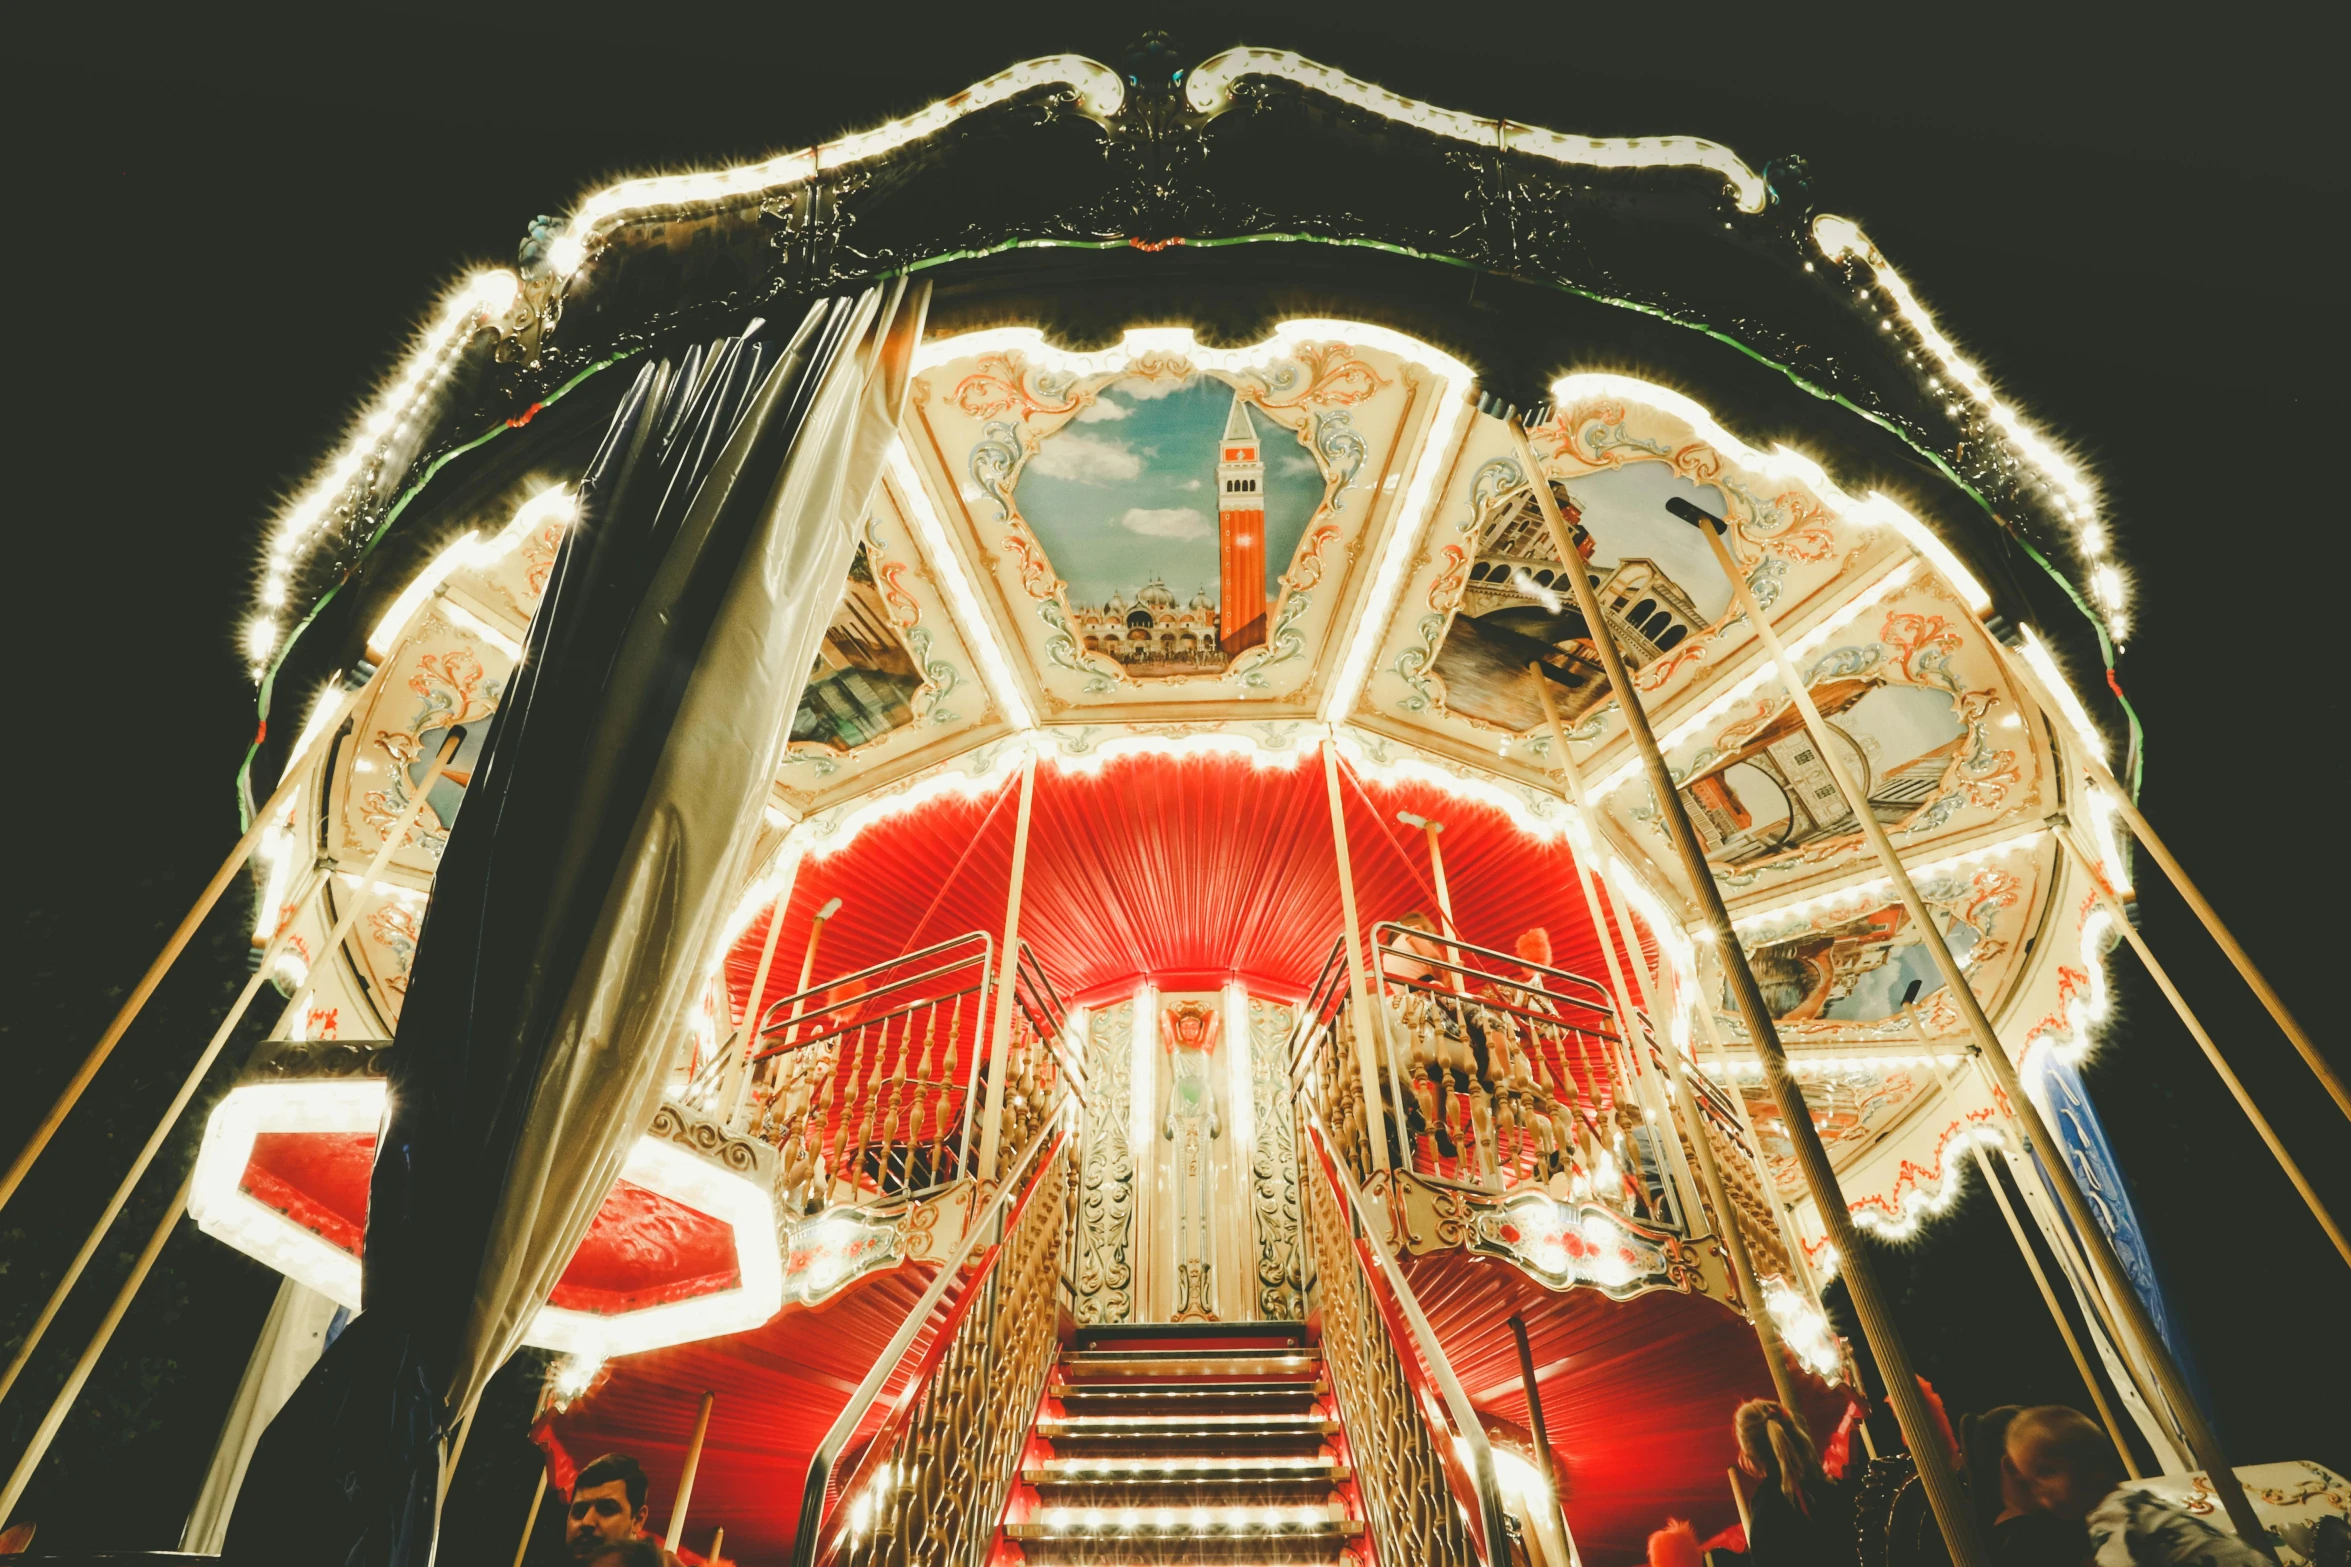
1000, 1027
739, 1059
2201, 1438
46, 1432
203, 1064
2073, 1343
1750, 1283
1535, 1422
1359, 981
1430, 829
1885, 1340
2101, 775
530, 1520
2179, 1004
288, 783
677, 1514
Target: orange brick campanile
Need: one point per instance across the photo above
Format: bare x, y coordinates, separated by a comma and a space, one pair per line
1240, 522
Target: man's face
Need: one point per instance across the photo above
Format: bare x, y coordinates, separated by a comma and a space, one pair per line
600, 1516
2052, 1484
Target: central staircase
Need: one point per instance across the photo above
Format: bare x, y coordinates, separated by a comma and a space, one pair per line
1190, 1442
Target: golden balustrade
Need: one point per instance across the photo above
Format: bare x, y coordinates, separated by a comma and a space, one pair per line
938, 1463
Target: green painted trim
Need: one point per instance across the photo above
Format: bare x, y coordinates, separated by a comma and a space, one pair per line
268, 685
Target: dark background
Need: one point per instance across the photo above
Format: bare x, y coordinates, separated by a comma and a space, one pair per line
221, 229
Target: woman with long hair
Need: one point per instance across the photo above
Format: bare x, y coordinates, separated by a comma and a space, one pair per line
1798, 1519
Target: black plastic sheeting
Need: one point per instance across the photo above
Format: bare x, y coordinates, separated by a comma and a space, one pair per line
349, 1469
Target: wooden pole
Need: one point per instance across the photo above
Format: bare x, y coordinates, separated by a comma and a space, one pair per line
2201, 1439
677, 1514
1430, 829
46, 1432
1949, 1501
1743, 1273
1739, 1496
717, 1543
530, 1520
203, 1065
1359, 980
2073, 1343
288, 783
2179, 1004
2102, 776
739, 1047
1000, 1026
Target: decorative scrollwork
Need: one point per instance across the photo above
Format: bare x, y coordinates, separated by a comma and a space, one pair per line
701, 1135
1106, 1201
1343, 452
1273, 1167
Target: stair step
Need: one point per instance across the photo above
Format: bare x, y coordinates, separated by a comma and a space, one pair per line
1220, 1469
1123, 1391
1189, 1335
1183, 1424
1108, 1364
1254, 1525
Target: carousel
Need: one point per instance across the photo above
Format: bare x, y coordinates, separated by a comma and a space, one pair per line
1183, 813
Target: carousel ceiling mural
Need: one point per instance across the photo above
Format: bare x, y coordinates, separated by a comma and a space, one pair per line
1206, 592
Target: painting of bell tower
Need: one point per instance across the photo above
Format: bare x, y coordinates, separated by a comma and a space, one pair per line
1240, 520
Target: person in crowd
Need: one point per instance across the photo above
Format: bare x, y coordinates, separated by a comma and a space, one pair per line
2018, 1532
628, 1553
2065, 1466
1404, 953
608, 1509
1797, 1518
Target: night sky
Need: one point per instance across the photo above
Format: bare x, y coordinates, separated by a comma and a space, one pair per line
220, 231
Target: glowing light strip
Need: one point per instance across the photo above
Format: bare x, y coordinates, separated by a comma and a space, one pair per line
1763, 670
1804, 1330
1142, 1073
484, 298
1842, 238
1409, 767
1209, 91
554, 504
2043, 664
1099, 89
225, 1211
1410, 520
1882, 886
1799, 1061
1240, 1089
738, 1201
963, 603
1921, 1203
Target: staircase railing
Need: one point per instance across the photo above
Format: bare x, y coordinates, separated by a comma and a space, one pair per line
1510, 1074
875, 1079
1420, 1453
932, 1480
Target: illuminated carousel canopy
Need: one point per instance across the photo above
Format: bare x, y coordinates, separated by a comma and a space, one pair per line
1204, 591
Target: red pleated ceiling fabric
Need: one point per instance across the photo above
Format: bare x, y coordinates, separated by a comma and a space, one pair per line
1187, 872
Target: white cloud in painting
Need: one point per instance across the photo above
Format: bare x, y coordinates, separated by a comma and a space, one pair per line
1165, 522
1193, 484
1086, 459
1102, 411
1149, 389
1296, 462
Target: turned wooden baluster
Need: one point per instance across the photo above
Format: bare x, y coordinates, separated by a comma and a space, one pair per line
846, 1072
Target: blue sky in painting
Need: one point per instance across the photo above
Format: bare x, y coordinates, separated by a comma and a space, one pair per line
1128, 489
1624, 510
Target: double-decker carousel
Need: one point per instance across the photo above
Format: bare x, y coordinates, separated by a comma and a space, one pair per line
1181, 733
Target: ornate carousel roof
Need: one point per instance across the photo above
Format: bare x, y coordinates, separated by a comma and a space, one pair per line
1204, 464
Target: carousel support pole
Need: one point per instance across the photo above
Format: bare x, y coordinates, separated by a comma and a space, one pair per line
1358, 978
2102, 777
677, 1514
2073, 1343
59, 1407
717, 1543
1535, 1423
2179, 1004
1944, 1494
288, 783
2202, 1442
1739, 1496
745, 1039
1430, 829
203, 1064
530, 1519
1000, 1026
